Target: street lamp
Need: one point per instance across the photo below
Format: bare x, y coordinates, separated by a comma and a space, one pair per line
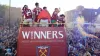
9, 13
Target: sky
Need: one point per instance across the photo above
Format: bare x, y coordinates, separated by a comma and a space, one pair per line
64, 5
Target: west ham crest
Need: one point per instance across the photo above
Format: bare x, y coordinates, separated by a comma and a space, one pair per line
43, 50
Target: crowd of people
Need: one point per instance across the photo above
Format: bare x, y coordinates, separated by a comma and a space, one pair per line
82, 38
41, 16
8, 40
77, 47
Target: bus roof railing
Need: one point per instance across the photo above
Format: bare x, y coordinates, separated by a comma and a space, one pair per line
21, 24
42, 23
63, 23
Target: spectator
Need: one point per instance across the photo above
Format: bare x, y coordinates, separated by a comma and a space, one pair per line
71, 53
80, 53
1, 51
87, 54
8, 51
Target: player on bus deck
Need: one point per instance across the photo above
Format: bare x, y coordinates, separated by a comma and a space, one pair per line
23, 11
55, 17
27, 15
44, 17
61, 20
36, 11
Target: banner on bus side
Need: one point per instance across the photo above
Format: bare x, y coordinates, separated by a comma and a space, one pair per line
42, 41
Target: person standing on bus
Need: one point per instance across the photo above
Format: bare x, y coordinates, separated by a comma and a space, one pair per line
44, 17
36, 11
61, 20
23, 12
55, 17
27, 15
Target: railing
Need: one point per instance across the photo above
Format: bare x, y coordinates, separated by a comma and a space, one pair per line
35, 23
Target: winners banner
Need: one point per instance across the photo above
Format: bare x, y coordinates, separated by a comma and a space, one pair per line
42, 41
